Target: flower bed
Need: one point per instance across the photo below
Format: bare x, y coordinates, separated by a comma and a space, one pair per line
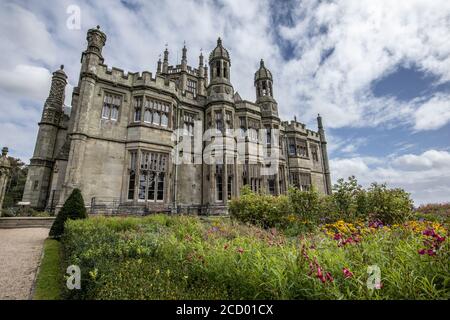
162, 257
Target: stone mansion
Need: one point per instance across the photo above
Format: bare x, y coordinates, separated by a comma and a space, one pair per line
181, 140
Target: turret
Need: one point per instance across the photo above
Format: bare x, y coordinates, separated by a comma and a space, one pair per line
326, 166
40, 169
165, 69
264, 92
220, 88
92, 56
158, 68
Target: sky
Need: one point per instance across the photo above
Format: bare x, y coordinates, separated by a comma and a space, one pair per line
377, 71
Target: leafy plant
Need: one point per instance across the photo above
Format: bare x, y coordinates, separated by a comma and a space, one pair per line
73, 209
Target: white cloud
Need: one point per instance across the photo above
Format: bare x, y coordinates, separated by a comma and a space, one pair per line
433, 114
370, 40
426, 176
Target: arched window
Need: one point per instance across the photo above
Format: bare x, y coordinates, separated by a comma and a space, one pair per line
148, 116
225, 71
218, 69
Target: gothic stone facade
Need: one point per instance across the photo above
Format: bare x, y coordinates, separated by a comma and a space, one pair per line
133, 139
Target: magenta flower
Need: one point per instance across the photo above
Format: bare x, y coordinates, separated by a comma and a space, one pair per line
347, 273
421, 251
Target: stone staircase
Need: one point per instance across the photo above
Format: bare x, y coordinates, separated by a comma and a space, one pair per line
26, 222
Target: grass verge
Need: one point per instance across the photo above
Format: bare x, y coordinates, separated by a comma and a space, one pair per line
49, 279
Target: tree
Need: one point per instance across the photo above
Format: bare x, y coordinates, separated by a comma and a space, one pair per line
73, 209
16, 185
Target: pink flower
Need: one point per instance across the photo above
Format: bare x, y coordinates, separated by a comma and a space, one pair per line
337, 236
240, 250
329, 277
431, 252
225, 246
421, 251
319, 272
347, 273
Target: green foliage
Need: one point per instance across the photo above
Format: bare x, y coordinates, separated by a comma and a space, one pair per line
49, 280
433, 211
73, 209
389, 205
162, 257
16, 185
349, 202
305, 204
260, 209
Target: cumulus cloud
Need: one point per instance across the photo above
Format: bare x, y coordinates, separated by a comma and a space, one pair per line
426, 176
342, 47
433, 114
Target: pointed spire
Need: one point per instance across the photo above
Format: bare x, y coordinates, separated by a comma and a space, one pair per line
166, 54
184, 51
200, 58
158, 69
4, 151
261, 64
219, 41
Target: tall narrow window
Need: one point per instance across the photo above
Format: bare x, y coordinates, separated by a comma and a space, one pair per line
271, 185
160, 194
219, 120
218, 69
137, 109
314, 152
219, 182
230, 186
192, 86
302, 148
268, 135
151, 186
292, 151
132, 177
225, 70
111, 105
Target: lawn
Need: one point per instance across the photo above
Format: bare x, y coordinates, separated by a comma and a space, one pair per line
49, 279
166, 257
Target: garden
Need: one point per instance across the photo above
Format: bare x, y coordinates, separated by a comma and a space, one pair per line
355, 244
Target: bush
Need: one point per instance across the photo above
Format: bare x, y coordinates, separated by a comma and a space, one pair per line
73, 209
389, 205
260, 209
305, 204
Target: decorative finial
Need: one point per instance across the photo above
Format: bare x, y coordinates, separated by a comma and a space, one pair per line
219, 41
98, 27
4, 151
295, 118
62, 67
318, 115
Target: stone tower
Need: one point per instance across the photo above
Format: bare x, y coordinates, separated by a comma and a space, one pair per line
82, 108
326, 166
220, 112
5, 168
41, 165
271, 124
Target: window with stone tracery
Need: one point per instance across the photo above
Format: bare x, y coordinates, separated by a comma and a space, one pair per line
192, 86
111, 105
151, 176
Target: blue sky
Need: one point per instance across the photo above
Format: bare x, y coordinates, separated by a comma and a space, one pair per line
377, 71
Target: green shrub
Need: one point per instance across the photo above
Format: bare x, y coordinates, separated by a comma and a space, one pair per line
260, 209
305, 204
73, 209
389, 205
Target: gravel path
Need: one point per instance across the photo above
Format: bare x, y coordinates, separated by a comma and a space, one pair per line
20, 252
